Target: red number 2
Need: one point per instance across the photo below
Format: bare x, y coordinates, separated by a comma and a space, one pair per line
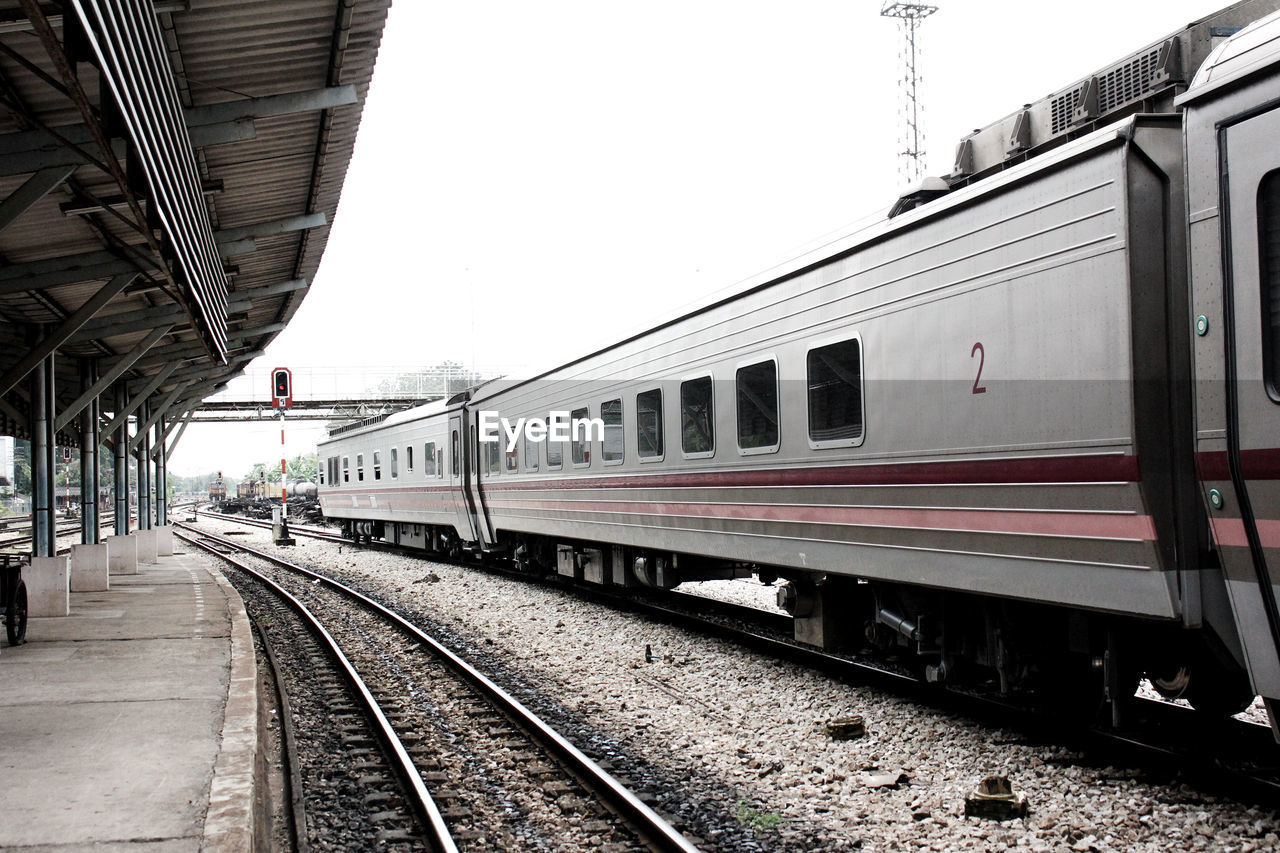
982, 359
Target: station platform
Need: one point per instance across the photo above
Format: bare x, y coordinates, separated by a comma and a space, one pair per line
132, 724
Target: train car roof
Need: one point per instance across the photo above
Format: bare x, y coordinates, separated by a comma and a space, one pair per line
1249, 52
1105, 137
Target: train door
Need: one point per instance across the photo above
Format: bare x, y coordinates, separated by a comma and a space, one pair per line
456, 471
479, 512
1250, 223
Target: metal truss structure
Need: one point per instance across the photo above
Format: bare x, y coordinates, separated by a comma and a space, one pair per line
168, 173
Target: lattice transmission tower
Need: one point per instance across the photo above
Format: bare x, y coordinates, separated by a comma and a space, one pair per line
911, 155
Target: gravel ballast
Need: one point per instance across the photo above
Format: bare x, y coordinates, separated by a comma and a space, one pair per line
726, 729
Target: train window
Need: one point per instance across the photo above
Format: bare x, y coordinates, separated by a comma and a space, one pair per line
512, 462
1269, 250
360, 467
758, 407
429, 459
455, 451
697, 417
395, 463
649, 424
346, 469
555, 451
611, 447
492, 450
320, 475
835, 393
580, 436
440, 462
408, 459
530, 453
377, 465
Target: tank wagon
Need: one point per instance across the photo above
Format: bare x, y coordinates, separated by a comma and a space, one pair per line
1025, 430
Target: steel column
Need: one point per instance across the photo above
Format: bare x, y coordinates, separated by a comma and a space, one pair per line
90, 531
41, 461
50, 449
144, 472
122, 462
162, 473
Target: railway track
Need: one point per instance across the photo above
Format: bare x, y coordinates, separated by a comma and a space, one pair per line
509, 781
290, 765
1238, 757
66, 527
356, 775
63, 528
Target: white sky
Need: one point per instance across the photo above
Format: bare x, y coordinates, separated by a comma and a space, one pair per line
534, 178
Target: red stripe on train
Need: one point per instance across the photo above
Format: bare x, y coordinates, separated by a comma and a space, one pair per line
1259, 464
1040, 469
1230, 531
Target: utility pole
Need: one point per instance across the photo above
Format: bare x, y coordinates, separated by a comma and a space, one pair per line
911, 155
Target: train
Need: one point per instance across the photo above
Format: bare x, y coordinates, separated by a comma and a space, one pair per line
1023, 432
257, 490
217, 490
263, 490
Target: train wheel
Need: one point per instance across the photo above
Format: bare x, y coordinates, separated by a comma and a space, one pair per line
15, 616
1174, 685
1218, 692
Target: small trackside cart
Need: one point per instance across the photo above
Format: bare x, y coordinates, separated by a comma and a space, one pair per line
13, 597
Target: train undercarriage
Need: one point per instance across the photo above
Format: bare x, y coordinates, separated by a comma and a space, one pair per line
1077, 661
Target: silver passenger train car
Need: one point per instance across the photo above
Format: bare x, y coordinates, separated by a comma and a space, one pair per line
1025, 431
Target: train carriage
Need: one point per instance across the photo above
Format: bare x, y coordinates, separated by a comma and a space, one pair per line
399, 469
1024, 429
1233, 184
950, 400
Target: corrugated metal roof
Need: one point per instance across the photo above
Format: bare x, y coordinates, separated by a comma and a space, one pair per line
261, 84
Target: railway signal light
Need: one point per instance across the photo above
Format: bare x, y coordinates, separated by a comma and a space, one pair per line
281, 388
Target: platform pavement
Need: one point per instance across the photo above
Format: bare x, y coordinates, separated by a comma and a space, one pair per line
132, 724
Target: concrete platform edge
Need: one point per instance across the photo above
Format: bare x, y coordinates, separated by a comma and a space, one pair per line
232, 822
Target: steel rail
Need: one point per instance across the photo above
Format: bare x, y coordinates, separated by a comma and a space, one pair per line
66, 529
289, 746
814, 658
1149, 745
432, 821
658, 833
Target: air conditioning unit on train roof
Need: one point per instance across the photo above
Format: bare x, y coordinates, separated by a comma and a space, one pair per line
1146, 81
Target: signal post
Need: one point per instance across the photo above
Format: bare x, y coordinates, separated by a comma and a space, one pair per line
282, 398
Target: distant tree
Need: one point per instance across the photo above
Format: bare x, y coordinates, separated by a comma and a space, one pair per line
22, 467
271, 470
303, 467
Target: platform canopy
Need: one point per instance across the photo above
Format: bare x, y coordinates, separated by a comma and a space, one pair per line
168, 174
